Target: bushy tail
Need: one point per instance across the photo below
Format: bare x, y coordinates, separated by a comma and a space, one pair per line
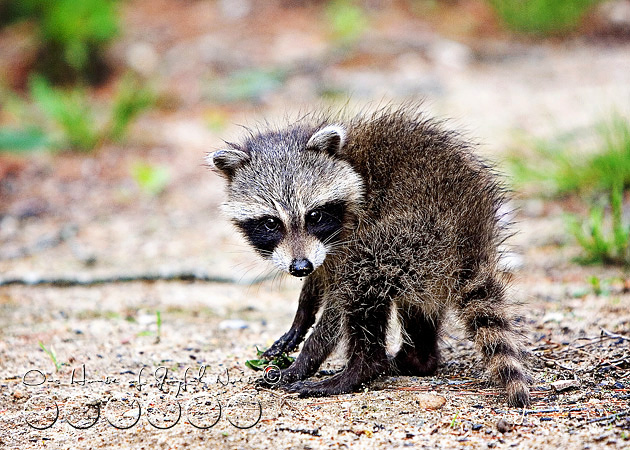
491, 324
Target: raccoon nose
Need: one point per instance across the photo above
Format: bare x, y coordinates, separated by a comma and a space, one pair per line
300, 267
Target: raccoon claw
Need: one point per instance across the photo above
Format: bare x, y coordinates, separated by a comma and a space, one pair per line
271, 378
294, 387
288, 377
262, 383
307, 389
286, 344
330, 386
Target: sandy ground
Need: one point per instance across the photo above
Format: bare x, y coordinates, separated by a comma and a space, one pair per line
78, 218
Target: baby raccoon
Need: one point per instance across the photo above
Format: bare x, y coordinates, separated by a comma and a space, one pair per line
383, 214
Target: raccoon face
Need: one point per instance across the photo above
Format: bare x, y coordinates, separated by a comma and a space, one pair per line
290, 194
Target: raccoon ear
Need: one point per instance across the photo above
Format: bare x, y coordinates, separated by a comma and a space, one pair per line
329, 139
226, 161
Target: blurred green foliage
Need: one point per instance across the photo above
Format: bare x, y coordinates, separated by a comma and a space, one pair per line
131, 99
542, 17
248, 85
603, 239
70, 111
600, 177
73, 34
563, 171
19, 140
347, 19
68, 118
152, 180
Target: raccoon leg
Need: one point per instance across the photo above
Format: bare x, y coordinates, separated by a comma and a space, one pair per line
309, 303
491, 326
421, 355
317, 347
365, 327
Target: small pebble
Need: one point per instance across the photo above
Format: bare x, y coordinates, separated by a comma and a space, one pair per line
503, 426
564, 385
233, 324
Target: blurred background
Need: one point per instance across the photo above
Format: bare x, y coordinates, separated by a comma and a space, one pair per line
108, 107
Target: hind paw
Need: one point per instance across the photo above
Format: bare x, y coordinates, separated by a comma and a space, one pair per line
324, 388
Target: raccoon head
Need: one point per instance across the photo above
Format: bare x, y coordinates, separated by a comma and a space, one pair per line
291, 194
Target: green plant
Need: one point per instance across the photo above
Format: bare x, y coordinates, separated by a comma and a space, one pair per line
347, 19
80, 123
73, 34
563, 171
246, 85
51, 354
24, 139
604, 239
130, 100
600, 287
281, 361
542, 17
70, 111
158, 333
453, 422
158, 318
151, 179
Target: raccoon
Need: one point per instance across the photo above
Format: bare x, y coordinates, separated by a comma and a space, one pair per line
382, 213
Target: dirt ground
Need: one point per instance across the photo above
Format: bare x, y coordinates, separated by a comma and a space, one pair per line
73, 227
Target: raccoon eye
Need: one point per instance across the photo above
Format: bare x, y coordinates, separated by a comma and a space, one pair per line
314, 217
272, 224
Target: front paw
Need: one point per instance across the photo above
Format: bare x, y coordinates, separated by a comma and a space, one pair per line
271, 378
286, 344
290, 376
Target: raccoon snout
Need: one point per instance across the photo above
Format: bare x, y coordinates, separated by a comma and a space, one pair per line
300, 267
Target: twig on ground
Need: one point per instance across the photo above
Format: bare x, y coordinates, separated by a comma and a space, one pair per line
606, 418
88, 280
614, 335
555, 362
614, 363
314, 432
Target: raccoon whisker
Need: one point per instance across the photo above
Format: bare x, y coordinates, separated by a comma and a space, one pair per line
332, 236
264, 273
243, 266
338, 250
339, 247
251, 266
278, 277
329, 241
